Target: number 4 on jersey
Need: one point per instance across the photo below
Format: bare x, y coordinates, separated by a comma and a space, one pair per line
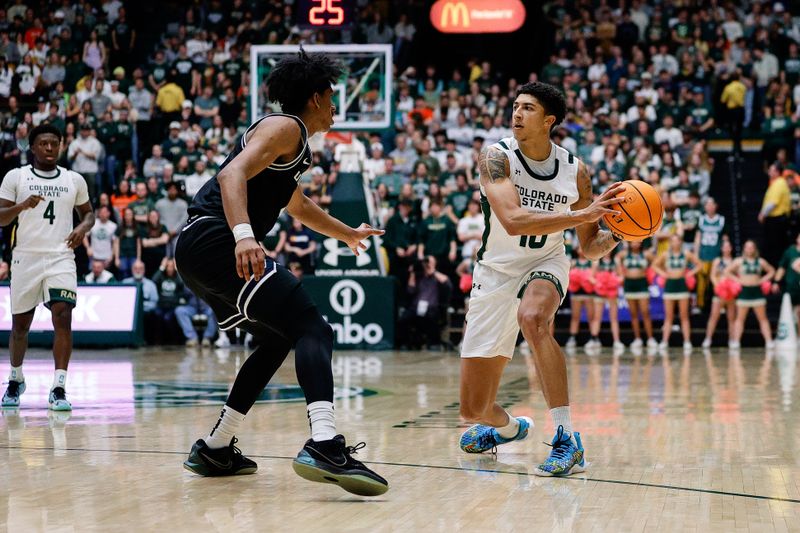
49, 213
533, 242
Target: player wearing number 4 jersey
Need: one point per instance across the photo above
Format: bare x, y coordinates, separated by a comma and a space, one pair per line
532, 190
41, 197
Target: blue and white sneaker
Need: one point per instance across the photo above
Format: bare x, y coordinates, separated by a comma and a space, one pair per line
480, 438
58, 400
12, 394
565, 458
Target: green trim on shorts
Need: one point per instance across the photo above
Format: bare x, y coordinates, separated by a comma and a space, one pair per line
61, 295
542, 275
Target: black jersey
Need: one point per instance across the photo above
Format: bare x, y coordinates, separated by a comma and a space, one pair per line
268, 192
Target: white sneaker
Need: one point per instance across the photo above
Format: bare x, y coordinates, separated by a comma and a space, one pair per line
636, 344
191, 343
734, 345
706, 343
652, 344
206, 343
223, 341
571, 343
687, 346
663, 345
770, 345
618, 347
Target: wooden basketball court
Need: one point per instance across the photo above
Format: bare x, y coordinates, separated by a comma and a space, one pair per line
699, 443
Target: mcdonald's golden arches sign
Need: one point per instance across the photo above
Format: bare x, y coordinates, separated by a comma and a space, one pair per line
477, 16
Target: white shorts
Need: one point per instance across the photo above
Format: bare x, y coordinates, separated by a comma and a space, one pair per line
37, 278
491, 322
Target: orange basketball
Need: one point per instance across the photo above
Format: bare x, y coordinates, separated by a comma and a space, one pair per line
639, 215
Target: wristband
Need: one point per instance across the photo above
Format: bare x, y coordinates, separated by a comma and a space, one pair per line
243, 231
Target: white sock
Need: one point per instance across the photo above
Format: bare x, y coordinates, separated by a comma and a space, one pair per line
322, 421
510, 430
16, 374
59, 379
561, 417
225, 429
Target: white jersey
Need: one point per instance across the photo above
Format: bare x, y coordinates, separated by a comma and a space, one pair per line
44, 229
548, 186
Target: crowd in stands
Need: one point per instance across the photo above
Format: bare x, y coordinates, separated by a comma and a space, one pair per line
647, 83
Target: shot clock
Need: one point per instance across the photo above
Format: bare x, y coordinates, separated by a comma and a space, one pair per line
324, 14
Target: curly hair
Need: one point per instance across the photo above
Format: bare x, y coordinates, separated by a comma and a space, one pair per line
294, 80
550, 97
43, 128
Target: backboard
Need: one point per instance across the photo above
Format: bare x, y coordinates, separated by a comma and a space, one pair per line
362, 96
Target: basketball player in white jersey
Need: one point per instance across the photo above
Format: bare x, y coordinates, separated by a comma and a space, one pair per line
531, 190
42, 197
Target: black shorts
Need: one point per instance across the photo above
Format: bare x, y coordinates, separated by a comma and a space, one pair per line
206, 261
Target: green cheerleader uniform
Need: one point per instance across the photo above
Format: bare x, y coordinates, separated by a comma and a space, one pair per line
676, 289
635, 288
751, 296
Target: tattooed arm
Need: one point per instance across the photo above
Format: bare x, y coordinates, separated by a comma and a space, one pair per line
595, 243
505, 202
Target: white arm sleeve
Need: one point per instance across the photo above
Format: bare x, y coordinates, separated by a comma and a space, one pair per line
8, 189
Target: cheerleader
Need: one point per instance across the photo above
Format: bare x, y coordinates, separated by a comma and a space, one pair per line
717, 274
672, 266
632, 265
751, 271
604, 274
580, 295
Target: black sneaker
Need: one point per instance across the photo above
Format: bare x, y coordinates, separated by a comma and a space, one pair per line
222, 462
330, 461
11, 396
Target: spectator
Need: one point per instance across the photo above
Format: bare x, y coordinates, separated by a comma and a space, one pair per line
154, 165
400, 240
403, 155
429, 291
99, 274
149, 299
100, 241
206, 107
154, 238
470, 229
127, 245
173, 213
733, 98
186, 313
123, 196
437, 238
194, 182
170, 295
301, 246
668, 133
84, 155
774, 215
142, 205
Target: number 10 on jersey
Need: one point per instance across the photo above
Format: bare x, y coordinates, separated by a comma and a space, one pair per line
532, 241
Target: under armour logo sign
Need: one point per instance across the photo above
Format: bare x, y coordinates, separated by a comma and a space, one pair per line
517, 171
476, 286
333, 251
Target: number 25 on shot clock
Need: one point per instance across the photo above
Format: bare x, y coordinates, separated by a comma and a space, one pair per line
322, 7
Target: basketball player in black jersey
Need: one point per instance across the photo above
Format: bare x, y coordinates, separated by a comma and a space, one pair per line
219, 257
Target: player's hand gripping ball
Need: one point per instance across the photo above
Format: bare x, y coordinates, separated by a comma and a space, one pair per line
640, 213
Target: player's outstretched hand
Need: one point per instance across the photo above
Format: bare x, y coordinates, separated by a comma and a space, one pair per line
601, 205
359, 234
250, 259
32, 201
